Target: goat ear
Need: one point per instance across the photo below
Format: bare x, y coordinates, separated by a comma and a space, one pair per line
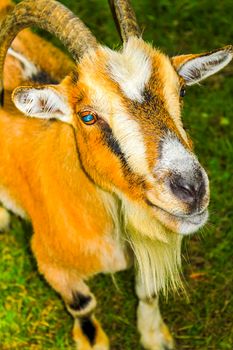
194, 68
45, 102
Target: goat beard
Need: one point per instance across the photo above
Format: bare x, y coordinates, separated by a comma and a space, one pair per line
157, 253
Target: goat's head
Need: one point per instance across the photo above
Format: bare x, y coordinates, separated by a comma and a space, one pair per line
125, 107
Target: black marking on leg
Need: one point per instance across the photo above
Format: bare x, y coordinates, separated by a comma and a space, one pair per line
80, 301
88, 328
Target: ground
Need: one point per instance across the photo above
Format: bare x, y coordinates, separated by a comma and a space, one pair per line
33, 317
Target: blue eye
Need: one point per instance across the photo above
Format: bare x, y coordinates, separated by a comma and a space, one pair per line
88, 118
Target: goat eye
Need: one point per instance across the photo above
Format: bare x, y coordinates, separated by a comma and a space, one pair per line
182, 92
88, 118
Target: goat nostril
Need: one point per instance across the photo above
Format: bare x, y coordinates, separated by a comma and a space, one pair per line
189, 191
184, 192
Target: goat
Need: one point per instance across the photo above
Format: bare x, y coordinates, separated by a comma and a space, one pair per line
100, 163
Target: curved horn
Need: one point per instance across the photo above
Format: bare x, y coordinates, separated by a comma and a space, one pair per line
125, 19
51, 16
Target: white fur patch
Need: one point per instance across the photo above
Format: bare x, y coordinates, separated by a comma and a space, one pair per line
29, 68
128, 134
175, 157
43, 103
131, 69
200, 68
9, 203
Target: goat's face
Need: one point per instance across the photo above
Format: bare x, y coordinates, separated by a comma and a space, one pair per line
126, 110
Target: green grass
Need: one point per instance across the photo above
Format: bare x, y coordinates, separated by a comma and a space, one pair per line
32, 316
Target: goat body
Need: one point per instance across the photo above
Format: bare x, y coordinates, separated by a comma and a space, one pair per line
83, 169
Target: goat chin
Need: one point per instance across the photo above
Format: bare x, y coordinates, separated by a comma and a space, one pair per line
156, 244
184, 225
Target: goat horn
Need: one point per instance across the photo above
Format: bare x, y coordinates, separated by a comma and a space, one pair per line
125, 19
51, 16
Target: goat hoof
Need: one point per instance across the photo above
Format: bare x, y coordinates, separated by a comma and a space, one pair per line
161, 340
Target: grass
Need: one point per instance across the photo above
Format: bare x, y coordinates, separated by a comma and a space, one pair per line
32, 316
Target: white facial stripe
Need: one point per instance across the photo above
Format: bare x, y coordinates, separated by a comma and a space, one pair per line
100, 100
131, 69
128, 134
175, 157
125, 130
200, 68
29, 68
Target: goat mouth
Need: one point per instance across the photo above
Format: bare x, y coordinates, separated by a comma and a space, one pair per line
188, 223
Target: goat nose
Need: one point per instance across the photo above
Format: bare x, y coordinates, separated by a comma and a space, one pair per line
190, 191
